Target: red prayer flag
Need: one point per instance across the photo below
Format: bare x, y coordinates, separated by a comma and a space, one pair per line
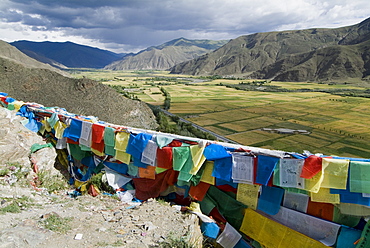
198, 192
164, 157
312, 165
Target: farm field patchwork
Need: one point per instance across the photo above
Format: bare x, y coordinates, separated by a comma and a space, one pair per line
336, 124
253, 137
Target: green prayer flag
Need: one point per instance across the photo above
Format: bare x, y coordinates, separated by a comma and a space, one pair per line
359, 177
163, 141
344, 219
53, 119
35, 147
76, 152
365, 237
228, 206
109, 136
180, 157
132, 170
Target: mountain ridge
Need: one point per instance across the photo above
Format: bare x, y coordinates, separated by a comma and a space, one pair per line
166, 55
254, 55
67, 54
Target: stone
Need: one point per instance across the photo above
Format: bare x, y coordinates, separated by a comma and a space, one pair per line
44, 160
149, 226
78, 236
135, 218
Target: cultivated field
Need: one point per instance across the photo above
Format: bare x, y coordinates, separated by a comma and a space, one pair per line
337, 125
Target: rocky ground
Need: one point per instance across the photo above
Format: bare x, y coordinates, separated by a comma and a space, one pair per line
59, 220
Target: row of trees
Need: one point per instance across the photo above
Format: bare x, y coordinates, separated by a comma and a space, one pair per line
167, 99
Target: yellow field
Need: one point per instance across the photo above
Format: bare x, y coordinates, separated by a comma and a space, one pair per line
226, 116
252, 137
250, 124
218, 130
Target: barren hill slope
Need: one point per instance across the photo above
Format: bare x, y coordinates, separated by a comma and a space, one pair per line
13, 54
261, 51
79, 96
331, 63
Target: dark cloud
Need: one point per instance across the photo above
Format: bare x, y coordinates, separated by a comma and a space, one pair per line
142, 23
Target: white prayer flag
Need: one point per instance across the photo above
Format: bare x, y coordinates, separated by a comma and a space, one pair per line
149, 154
290, 171
229, 237
242, 168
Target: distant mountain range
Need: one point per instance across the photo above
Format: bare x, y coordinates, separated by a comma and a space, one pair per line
70, 55
317, 54
67, 54
165, 56
297, 55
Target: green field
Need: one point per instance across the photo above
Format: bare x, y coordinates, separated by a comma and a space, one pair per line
338, 125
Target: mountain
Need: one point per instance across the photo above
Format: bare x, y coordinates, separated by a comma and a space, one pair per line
164, 56
26, 79
67, 54
298, 55
13, 54
330, 63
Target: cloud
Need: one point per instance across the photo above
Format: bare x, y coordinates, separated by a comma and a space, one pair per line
127, 24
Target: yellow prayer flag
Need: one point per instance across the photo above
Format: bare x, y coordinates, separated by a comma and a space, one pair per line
78, 183
197, 157
121, 141
59, 129
42, 129
272, 234
122, 156
96, 152
46, 124
18, 105
335, 173
81, 185
207, 173
313, 184
248, 194
324, 196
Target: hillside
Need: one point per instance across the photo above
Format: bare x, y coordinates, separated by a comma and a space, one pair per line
103, 220
79, 96
275, 55
67, 54
164, 56
13, 54
331, 63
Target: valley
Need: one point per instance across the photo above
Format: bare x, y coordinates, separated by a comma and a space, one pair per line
336, 124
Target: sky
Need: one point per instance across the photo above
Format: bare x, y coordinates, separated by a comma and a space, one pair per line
124, 26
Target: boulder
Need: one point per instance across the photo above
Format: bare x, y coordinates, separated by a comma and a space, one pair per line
15, 146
